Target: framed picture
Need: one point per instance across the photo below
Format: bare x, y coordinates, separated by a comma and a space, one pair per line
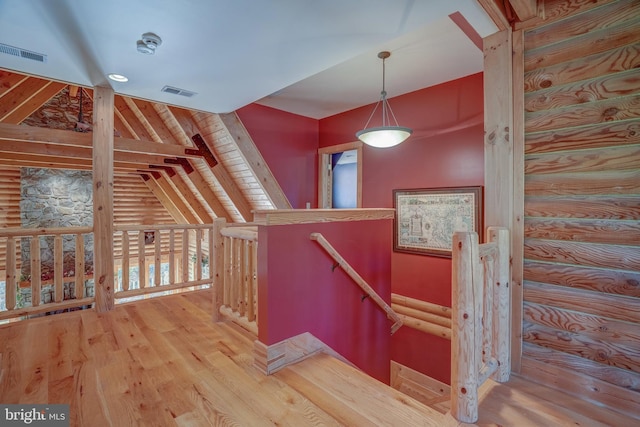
426, 218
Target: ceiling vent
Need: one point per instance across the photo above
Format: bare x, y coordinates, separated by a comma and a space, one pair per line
175, 91
22, 53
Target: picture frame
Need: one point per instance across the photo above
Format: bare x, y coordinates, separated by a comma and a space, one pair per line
427, 217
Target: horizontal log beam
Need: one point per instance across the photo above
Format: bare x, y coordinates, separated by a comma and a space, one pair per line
30, 134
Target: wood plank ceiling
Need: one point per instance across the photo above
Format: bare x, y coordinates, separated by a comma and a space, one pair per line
199, 165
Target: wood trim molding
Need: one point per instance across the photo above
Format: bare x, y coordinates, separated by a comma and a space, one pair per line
310, 216
324, 160
271, 358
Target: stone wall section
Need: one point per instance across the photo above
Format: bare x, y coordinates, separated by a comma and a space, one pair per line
52, 198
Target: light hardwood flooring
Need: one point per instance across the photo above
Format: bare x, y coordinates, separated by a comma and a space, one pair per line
162, 362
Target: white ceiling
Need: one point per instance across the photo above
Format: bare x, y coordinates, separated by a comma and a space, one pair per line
310, 57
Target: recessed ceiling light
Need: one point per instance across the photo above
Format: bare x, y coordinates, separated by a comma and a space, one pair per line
118, 78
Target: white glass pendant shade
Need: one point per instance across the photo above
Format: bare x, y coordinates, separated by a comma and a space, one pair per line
384, 136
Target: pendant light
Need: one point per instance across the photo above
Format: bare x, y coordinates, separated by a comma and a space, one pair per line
386, 135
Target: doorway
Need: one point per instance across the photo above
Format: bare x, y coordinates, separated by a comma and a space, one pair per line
340, 176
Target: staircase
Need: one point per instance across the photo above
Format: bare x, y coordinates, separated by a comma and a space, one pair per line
353, 398
424, 389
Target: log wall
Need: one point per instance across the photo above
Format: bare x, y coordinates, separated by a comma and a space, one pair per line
9, 206
581, 312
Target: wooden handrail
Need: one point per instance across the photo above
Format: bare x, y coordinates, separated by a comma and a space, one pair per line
53, 231
351, 272
244, 233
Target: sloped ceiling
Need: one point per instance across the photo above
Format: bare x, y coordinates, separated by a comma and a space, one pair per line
190, 160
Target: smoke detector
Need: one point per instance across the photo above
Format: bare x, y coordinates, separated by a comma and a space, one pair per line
148, 43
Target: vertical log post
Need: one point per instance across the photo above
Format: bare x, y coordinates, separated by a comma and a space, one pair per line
501, 304
236, 281
125, 260
216, 266
79, 265
185, 255
10, 283
172, 257
103, 112
198, 254
142, 261
466, 322
228, 267
244, 280
58, 266
36, 273
210, 234
253, 281
157, 266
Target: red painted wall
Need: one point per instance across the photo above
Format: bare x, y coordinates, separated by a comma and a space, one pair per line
445, 150
299, 290
289, 145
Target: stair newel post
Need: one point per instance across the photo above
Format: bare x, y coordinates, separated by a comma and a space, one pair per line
501, 304
217, 266
465, 327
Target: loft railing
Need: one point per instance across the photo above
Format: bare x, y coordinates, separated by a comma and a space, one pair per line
235, 266
45, 280
351, 272
480, 342
161, 258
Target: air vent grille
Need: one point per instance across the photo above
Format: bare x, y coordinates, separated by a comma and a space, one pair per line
22, 53
176, 91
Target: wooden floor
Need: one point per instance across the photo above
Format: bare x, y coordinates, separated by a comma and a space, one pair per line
162, 362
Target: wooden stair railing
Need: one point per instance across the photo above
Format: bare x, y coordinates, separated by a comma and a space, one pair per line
423, 316
480, 342
351, 272
182, 247
13, 237
235, 265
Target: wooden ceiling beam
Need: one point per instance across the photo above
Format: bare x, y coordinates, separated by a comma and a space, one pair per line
229, 186
20, 94
496, 11
57, 162
10, 81
525, 9
78, 152
202, 186
148, 115
43, 161
155, 121
121, 127
187, 193
132, 121
167, 196
37, 135
34, 103
254, 159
